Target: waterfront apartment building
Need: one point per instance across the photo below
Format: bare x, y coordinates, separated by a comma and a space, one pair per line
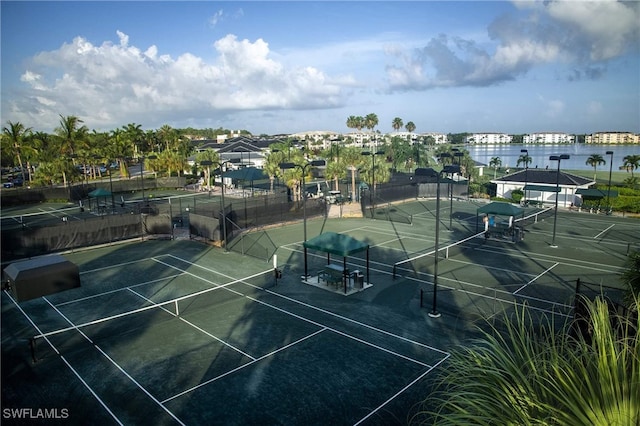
611, 138
489, 138
548, 138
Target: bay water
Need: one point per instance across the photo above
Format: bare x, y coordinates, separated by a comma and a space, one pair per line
579, 153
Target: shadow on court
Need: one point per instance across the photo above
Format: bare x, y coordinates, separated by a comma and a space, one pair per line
179, 332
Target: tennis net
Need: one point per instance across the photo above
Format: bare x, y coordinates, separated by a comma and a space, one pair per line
413, 261
152, 312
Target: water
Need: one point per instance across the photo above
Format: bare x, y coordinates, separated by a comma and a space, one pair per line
509, 154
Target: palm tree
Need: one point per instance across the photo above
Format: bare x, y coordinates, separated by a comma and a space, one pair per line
16, 134
523, 372
397, 123
410, 127
631, 162
594, 161
524, 159
351, 158
121, 150
370, 121
214, 158
73, 138
355, 122
495, 162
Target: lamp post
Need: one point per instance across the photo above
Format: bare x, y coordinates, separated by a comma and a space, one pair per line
526, 170
429, 172
610, 154
373, 155
224, 207
559, 159
303, 168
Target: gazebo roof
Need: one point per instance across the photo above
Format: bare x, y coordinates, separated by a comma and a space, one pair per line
246, 174
545, 177
501, 209
338, 244
99, 193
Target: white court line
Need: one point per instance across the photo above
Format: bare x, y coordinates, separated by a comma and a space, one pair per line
342, 333
100, 401
153, 398
170, 277
604, 231
538, 276
436, 365
242, 366
119, 265
193, 325
323, 311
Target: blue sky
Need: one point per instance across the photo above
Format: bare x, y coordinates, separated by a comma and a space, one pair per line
286, 67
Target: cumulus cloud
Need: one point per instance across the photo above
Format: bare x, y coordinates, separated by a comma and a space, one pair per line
584, 35
110, 84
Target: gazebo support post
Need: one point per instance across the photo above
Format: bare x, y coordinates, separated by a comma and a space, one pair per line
368, 264
344, 274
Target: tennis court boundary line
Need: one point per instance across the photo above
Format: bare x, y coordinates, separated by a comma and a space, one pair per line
73, 370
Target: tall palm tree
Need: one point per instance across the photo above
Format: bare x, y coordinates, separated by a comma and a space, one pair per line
527, 373
495, 162
213, 157
410, 126
351, 158
355, 122
631, 162
524, 159
73, 138
370, 121
16, 135
120, 148
397, 123
594, 161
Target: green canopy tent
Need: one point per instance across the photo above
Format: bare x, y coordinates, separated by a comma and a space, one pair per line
499, 209
594, 194
247, 174
99, 194
339, 245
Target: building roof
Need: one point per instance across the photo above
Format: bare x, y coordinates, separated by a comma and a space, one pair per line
545, 176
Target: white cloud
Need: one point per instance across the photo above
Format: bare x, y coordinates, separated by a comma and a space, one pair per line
582, 34
215, 18
110, 84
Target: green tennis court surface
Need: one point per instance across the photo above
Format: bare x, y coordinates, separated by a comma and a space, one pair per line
178, 332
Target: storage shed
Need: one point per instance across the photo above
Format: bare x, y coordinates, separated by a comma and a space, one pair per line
29, 279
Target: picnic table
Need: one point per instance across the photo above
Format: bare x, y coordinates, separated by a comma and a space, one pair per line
333, 274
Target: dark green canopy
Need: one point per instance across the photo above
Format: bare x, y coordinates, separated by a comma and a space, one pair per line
501, 209
99, 193
338, 244
246, 174
595, 193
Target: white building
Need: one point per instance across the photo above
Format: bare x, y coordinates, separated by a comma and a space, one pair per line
489, 138
610, 138
553, 138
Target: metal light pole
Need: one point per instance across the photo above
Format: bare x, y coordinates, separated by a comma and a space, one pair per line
373, 175
559, 159
303, 168
610, 154
224, 207
526, 170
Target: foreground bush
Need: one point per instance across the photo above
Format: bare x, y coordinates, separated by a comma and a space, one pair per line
525, 374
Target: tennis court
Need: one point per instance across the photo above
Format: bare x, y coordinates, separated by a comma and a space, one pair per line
178, 332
